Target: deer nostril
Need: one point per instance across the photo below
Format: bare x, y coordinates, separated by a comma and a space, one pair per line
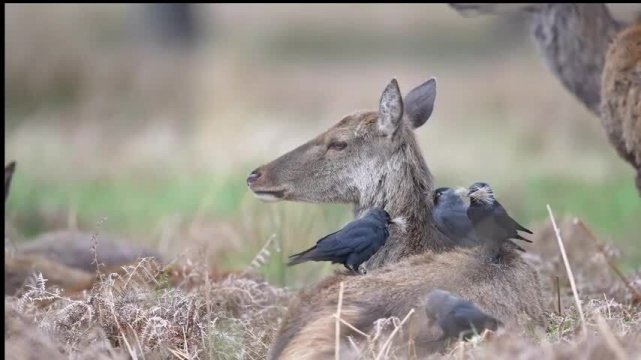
253, 176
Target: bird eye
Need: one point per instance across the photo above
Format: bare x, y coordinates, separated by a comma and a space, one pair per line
337, 145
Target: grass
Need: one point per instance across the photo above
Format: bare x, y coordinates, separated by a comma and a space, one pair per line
136, 314
133, 205
613, 207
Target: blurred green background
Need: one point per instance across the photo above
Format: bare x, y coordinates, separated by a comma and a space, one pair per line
107, 116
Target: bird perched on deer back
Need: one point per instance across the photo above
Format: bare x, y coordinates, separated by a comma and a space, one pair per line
450, 217
456, 316
353, 244
492, 224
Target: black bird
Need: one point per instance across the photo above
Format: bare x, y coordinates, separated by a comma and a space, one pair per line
450, 217
456, 316
492, 224
353, 244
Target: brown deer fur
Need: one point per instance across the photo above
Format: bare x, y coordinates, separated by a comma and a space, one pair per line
621, 97
583, 45
383, 166
375, 169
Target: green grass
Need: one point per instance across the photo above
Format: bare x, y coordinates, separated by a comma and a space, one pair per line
611, 208
134, 205
131, 205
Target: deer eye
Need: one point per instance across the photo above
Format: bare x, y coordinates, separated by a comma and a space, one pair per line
337, 145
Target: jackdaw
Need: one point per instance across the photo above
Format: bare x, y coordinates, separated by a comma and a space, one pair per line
492, 224
352, 245
456, 316
450, 217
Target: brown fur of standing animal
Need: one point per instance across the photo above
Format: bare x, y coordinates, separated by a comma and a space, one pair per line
584, 46
621, 97
371, 159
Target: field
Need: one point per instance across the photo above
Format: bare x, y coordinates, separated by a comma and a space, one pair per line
112, 134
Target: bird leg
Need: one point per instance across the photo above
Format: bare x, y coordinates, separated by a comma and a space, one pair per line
351, 268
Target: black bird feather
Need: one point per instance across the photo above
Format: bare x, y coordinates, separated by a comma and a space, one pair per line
490, 220
456, 316
352, 245
450, 217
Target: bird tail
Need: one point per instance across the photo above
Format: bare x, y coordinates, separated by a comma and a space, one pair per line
519, 237
522, 228
299, 258
516, 246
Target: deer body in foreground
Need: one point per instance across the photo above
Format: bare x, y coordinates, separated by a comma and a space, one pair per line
372, 159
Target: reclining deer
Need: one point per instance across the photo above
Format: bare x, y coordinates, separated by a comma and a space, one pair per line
368, 159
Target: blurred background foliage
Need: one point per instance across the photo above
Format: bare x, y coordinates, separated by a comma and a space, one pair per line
152, 116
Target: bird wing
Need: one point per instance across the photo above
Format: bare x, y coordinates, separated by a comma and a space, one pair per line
457, 226
356, 236
327, 248
467, 316
354, 239
505, 221
300, 257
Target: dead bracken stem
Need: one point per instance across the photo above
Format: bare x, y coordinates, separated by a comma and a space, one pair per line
411, 348
94, 247
338, 322
350, 326
635, 294
568, 269
142, 352
262, 256
609, 337
396, 329
132, 353
558, 293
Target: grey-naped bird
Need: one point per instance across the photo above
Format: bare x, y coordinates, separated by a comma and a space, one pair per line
492, 224
450, 217
457, 317
352, 245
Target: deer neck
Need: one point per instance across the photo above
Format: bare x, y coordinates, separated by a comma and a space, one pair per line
573, 39
404, 190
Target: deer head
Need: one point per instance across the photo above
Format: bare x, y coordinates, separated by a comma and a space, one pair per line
347, 163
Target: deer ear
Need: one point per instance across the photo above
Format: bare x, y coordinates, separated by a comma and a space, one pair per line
390, 108
419, 103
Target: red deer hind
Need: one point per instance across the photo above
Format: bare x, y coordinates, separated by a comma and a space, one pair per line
371, 158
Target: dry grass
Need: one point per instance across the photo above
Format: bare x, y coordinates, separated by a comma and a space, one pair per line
141, 314
183, 311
